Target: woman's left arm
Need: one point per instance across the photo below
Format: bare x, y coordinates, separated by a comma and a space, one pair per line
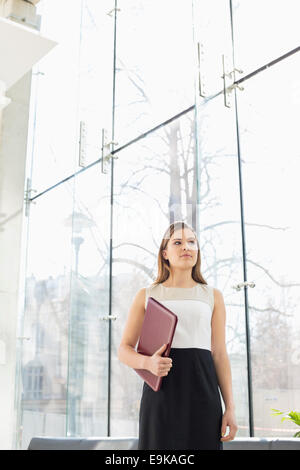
222, 365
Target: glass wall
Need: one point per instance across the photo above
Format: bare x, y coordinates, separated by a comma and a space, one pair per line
269, 141
153, 72
264, 31
43, 350
62, 373
87, 384
154, 64
55, 115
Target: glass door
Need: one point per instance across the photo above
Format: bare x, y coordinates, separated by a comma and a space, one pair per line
266, 123
269, 142
89, 314
88, 332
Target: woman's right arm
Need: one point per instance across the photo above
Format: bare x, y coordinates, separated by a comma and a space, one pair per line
131, 334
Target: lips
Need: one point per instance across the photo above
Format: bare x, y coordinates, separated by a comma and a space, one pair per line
186, 256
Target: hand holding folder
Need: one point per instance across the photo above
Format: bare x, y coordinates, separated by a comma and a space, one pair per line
158, 328
158, 362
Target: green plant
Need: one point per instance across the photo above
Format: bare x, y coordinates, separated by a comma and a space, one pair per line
291, 416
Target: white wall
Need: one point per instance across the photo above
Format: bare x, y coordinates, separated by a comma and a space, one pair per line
13, 145
13, 149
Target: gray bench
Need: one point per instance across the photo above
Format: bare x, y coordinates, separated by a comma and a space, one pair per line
130, 443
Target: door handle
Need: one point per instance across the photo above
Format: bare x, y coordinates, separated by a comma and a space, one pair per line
244, 284
108, 317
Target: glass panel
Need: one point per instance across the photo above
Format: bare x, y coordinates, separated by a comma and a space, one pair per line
220, 235
155, 64
263, 31
269, 127
53, 134
154, 178
42, 367
73, 83
96, 76
63, 367
88, 333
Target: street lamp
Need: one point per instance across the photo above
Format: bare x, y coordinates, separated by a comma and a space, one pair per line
77, 329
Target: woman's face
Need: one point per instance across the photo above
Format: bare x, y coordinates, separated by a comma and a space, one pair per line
182, 242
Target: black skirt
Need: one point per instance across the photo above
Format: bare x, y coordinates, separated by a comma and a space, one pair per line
186, 413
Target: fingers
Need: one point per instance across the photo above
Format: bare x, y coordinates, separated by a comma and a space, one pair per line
231, 435
164, 368
163, 364
166, 360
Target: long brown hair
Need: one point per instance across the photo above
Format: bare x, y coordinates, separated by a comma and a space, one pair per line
164, 265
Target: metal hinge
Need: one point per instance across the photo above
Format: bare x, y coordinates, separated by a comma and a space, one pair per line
228, 80
82, 144
201, 75
27, 196
244, 284
114, 9
107, 148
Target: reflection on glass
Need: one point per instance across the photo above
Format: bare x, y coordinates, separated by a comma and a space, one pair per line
88, 331
271, 156
42, 380
63, 378
155, 64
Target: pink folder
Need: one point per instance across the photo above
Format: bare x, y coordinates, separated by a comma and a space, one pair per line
158, 328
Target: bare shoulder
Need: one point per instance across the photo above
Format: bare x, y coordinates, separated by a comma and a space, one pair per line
217, 294
134, 320
219, 304
140, 296
138, 302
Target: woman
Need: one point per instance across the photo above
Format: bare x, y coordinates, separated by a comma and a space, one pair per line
186, 413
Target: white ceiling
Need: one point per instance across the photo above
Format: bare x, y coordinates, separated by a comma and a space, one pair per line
20, 49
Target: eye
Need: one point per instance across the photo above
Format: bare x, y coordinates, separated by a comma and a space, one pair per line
191, 241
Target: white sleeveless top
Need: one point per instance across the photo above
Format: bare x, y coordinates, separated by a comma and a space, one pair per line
193, 307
